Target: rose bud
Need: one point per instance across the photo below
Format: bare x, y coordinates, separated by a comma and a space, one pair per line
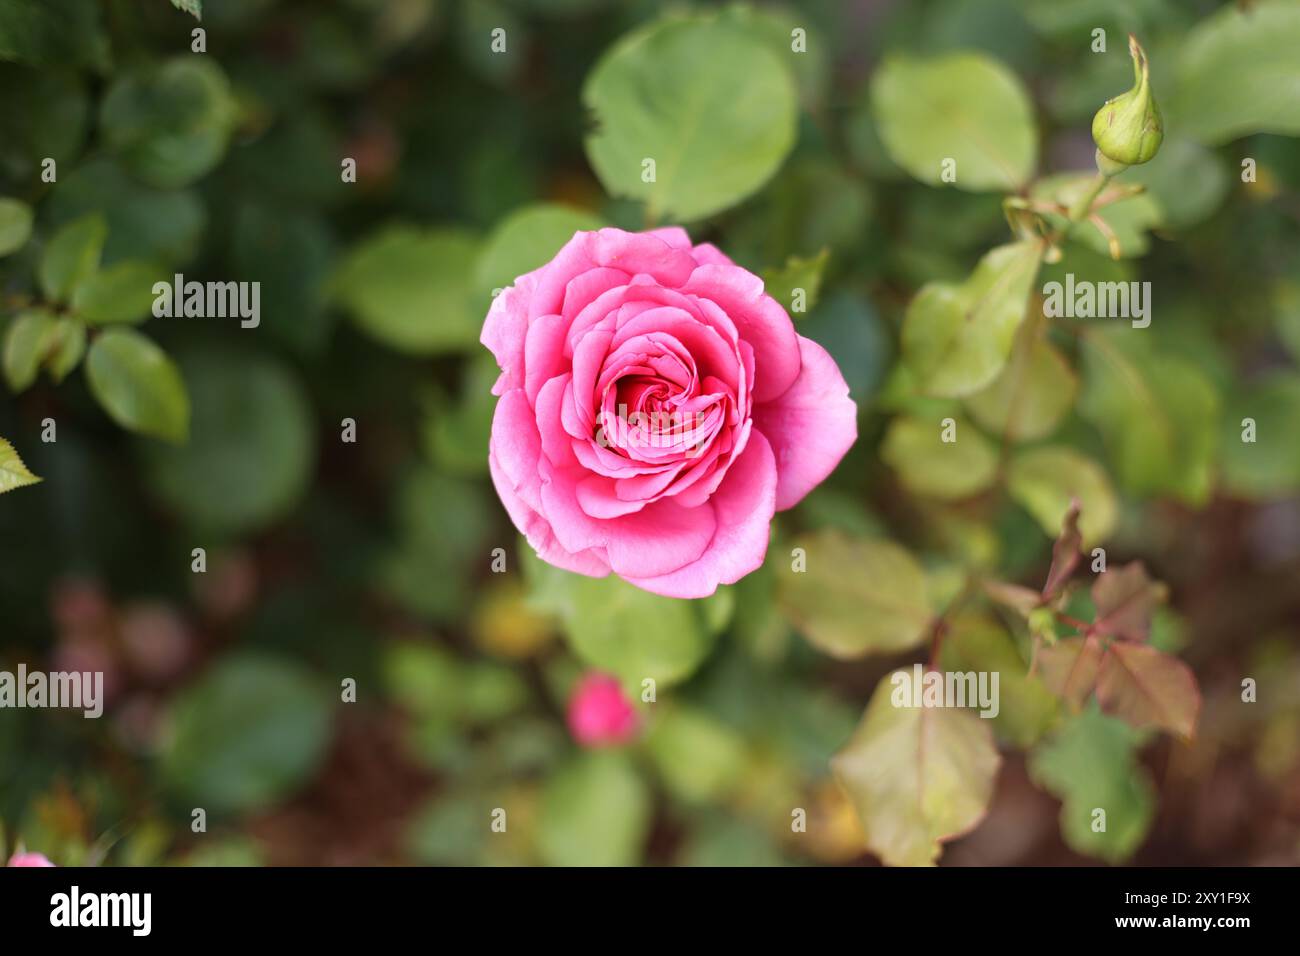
600, 714
1128, 129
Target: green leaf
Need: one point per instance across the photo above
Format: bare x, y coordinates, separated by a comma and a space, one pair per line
1158, 414
1146, 688
1187, 181
978, 643
422, 678
53, 33
249, 733
138, 385
1128, 220
252, 442
796, 284
1034, 391
170, 122
775, 26
595, 811
28, 342
621, 629
193, 7
670, 92
13, 473
15, 224
451, 830
931, 467
814, 203
57, 131
72, 256
1091, 764
526, 239
441, 519
957, 338
917, 776
1046, 480
431, 682
857, 595
1269, 466
699, 758
1238, 73
67, 348
412, 289
291, 253
456, 431
1287, 316
966, 107
119, 293
163, 226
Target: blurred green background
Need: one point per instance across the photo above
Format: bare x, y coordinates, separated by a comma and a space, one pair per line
328, 560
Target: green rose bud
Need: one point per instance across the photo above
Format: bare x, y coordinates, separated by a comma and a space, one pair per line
1128, 129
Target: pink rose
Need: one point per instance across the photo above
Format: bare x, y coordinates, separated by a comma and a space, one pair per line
656, 408
29, 859
600, 713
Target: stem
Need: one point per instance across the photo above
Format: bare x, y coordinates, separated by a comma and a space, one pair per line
1079, 211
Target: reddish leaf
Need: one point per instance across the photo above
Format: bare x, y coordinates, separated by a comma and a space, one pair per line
1065, 552
1125, 599
1069, 668
1146, 688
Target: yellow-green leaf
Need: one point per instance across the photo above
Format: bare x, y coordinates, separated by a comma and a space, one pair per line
854, 596
916, 776
956, 338
1046, 480
72, 256
964, 107
28, 342
13, 473
138, 385
1033, 393
122, 292
15, 224
929, 466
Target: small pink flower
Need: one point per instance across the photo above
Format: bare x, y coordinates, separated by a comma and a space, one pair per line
600, 714
29, 859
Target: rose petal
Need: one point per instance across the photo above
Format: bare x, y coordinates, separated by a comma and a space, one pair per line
810, 427
642, 252
543, 352
761, 322
504, 331
661, 538
515, 442
744, 504
538, 531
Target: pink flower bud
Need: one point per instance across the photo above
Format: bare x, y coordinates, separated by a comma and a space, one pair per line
600, 714
29, 859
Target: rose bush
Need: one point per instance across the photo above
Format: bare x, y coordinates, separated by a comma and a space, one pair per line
656, 407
